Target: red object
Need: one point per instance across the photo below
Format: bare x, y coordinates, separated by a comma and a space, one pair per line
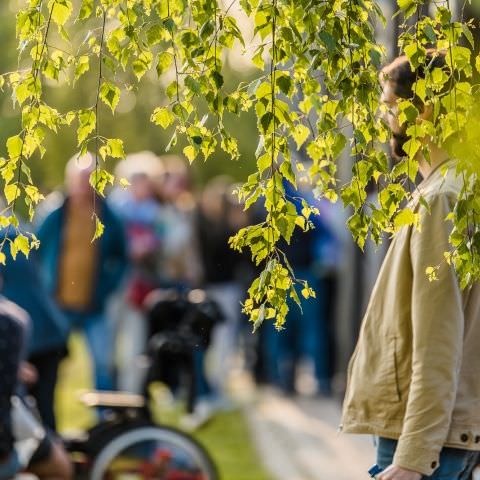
137, 290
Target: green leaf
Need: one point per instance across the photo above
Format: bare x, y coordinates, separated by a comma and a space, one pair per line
12, 192
263, 90
33, 194
408, 7
87, 121
285, 85
258, 60
477, 63
192, 84
124, 183
328, 40
308, 293
99, 229
264, 162
468, 35
266, 122
411, 147
416, 54
82, 66
110, 95
287, 172
164, 62
115, 148
155, 34
218, 79
406, 217
163, 117
14, 147
22, 244
86, 9
172, 89
142, 64
207, 29
459, 57
190, 153
300, 135
99, 179
62, 10
13, 250
408, 113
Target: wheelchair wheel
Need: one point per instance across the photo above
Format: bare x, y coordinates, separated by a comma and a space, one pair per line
155, 453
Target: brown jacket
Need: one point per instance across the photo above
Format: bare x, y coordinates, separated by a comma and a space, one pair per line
414, 375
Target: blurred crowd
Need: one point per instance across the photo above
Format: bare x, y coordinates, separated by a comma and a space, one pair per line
160, 232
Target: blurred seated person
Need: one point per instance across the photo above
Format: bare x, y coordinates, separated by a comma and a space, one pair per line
24, 443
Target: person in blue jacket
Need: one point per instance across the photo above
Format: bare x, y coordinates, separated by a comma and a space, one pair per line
306, 333
47, 343
82, 273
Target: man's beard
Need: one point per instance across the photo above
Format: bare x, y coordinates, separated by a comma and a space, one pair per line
397, 143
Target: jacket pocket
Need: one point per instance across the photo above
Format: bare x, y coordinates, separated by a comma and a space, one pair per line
392, 370
396, 369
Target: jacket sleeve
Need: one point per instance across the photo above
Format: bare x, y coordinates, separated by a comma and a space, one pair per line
437, 336
117, 253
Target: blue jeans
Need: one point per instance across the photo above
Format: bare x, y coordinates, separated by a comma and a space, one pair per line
455, 464
99, 337
305, 336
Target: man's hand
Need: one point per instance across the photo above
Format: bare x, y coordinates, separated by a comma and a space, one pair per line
397, 473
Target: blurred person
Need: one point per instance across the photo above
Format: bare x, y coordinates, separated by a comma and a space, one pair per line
140, 211
218, 218
47, 343
413, 379
180, 263
328, 262
303, 346
81, 273
13, 325
24, 443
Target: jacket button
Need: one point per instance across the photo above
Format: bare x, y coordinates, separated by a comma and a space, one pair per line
464, 437
434, 464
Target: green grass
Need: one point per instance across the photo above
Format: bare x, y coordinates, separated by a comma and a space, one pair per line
226, 436
228, 440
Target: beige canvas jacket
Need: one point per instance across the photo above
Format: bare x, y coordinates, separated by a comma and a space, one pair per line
414, 375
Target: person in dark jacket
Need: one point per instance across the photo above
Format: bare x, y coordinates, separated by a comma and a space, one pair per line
81, 273
24, 442
13, 328
305, 338
22, 284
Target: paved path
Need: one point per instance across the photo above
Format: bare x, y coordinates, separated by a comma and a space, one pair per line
298, 439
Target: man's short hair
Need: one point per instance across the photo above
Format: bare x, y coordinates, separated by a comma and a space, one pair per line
402, 77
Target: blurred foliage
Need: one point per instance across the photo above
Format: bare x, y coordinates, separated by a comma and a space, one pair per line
131, 122
317, 89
